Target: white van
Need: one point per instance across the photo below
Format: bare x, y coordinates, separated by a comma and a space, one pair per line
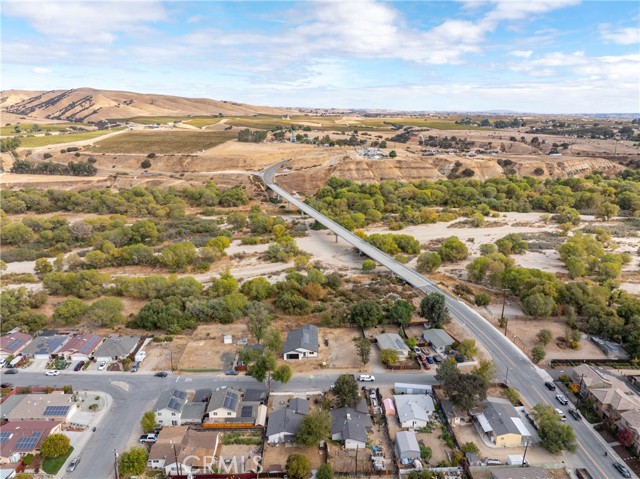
366, 377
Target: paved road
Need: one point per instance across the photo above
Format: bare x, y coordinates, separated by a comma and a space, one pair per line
522, 373
134, 394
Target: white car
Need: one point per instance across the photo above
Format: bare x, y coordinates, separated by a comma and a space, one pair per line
366, 377
52, 373
561, 414
562, 399
102, 365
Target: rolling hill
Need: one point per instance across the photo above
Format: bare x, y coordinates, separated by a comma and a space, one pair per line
90, 105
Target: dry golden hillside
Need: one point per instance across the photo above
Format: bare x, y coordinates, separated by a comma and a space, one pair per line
90, 105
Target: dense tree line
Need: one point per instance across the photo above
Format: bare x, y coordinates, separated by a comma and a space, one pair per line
50, 168
252, 136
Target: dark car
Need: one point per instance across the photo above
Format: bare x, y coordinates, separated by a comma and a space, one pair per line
6, 385
575, 414
550, 386
161, 374
231, 372
430, 360
11, 371
78, 366
437, 359
622, 469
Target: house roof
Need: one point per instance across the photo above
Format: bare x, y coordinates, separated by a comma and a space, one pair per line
227, 398
503, 417
81, 343
351, 423
299, 405
412, 407
284, 420
173, 399
24, 436
194, 445
619, 399
392, 341
520, 473
193, 412
116, 346
407, 442
439, 338
255, 395
632, 418
202, 395
42, 406
12, 342
45, 344
305, 337
590, 376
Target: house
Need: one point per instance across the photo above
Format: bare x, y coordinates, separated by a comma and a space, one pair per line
17, 439
116, 347
610, 403
394, 342
56, 406
589, 378
406, 388
501, 423
301, 343
184, 451
454, 414
169, 406
438, 339
351, 425
520, 473
630, 421
414, 410
80, 347
224, 404
12, 343
42, 347
407, 447
284, 423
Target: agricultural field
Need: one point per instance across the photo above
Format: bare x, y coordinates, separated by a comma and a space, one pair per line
38, 141
162, 142
9, 130
203, 121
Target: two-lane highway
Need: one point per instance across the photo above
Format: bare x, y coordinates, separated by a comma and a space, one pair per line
523, 374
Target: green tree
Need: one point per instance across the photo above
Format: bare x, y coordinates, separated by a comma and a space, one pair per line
134, 461
433, 309
389, 357
43, 266
363, 349
607, 210
55, 445
259, 318
263, 367
486, 369
555, 436
467, 348
106, 312
346, 390
470, 447
220, 243
447, 370
225, 284
392, 154
538, 305
148, 421
538, 353
298, 466
366, 314
512, 395
70, 312
237, 221
466, 390
428, 262
482, 299
401, 311
544, 336
452, 249
314, 427
257, 289
178, 256
325, 471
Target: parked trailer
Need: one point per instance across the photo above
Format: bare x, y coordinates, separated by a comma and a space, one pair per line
583, 474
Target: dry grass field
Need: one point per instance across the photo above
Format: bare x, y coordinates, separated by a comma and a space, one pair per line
162, 142
38, 141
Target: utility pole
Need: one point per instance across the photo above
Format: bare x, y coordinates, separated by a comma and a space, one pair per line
175, 455
504, 301
526, 446
115, 463
356, 459
506, 378
580, 392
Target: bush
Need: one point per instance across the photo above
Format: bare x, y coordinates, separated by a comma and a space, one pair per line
47, 156
368, 265
151, 155
482, 299
145, 164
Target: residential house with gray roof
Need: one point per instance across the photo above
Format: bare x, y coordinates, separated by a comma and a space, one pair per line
394, 342
42, 347
501, 423
407, 447
301, 343
284, 423
116, 347
414, 410
169, 407
351, 425
438, 339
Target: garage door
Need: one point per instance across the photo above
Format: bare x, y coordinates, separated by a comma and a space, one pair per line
293, 356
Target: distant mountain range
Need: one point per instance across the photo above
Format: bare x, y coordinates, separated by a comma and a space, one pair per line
91, 105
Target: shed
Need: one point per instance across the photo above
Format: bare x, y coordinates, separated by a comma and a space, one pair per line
407, 388
389, 408
227, 339
407, 445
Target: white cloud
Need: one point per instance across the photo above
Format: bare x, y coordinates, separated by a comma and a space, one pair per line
41, 70
88, 21
621, 36
521, 53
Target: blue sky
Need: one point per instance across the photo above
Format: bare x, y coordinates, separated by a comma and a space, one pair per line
547, 56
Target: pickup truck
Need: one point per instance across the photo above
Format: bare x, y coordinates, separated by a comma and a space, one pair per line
583, 474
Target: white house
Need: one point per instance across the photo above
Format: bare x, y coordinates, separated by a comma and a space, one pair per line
224, 404
301, 343
284, 423
414, 410
394, 342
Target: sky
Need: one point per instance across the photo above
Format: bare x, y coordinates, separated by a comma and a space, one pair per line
544, 56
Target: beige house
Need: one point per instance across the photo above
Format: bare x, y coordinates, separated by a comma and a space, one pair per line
17, 439
630, 420
56, 406
500, 422
182, 450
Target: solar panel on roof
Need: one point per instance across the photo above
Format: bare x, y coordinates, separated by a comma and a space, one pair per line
180, 394
246, 411
56, 410
174, 404
230, 400
28, 443
4, 437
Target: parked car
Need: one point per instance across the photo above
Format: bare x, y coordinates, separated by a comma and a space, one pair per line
161, 374
231, 372
79, 366
6, 385
366, 377
562, 399
430, 360
52, 373
73, 464
622, 469
437, 359
102, 366
550, 386
134, 368
575, 413
11, 371
560, 413
492, 462
417, 350
148, 439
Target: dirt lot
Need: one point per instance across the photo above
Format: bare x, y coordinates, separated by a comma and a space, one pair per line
159, 354
245, 457
279, 454
205, 348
